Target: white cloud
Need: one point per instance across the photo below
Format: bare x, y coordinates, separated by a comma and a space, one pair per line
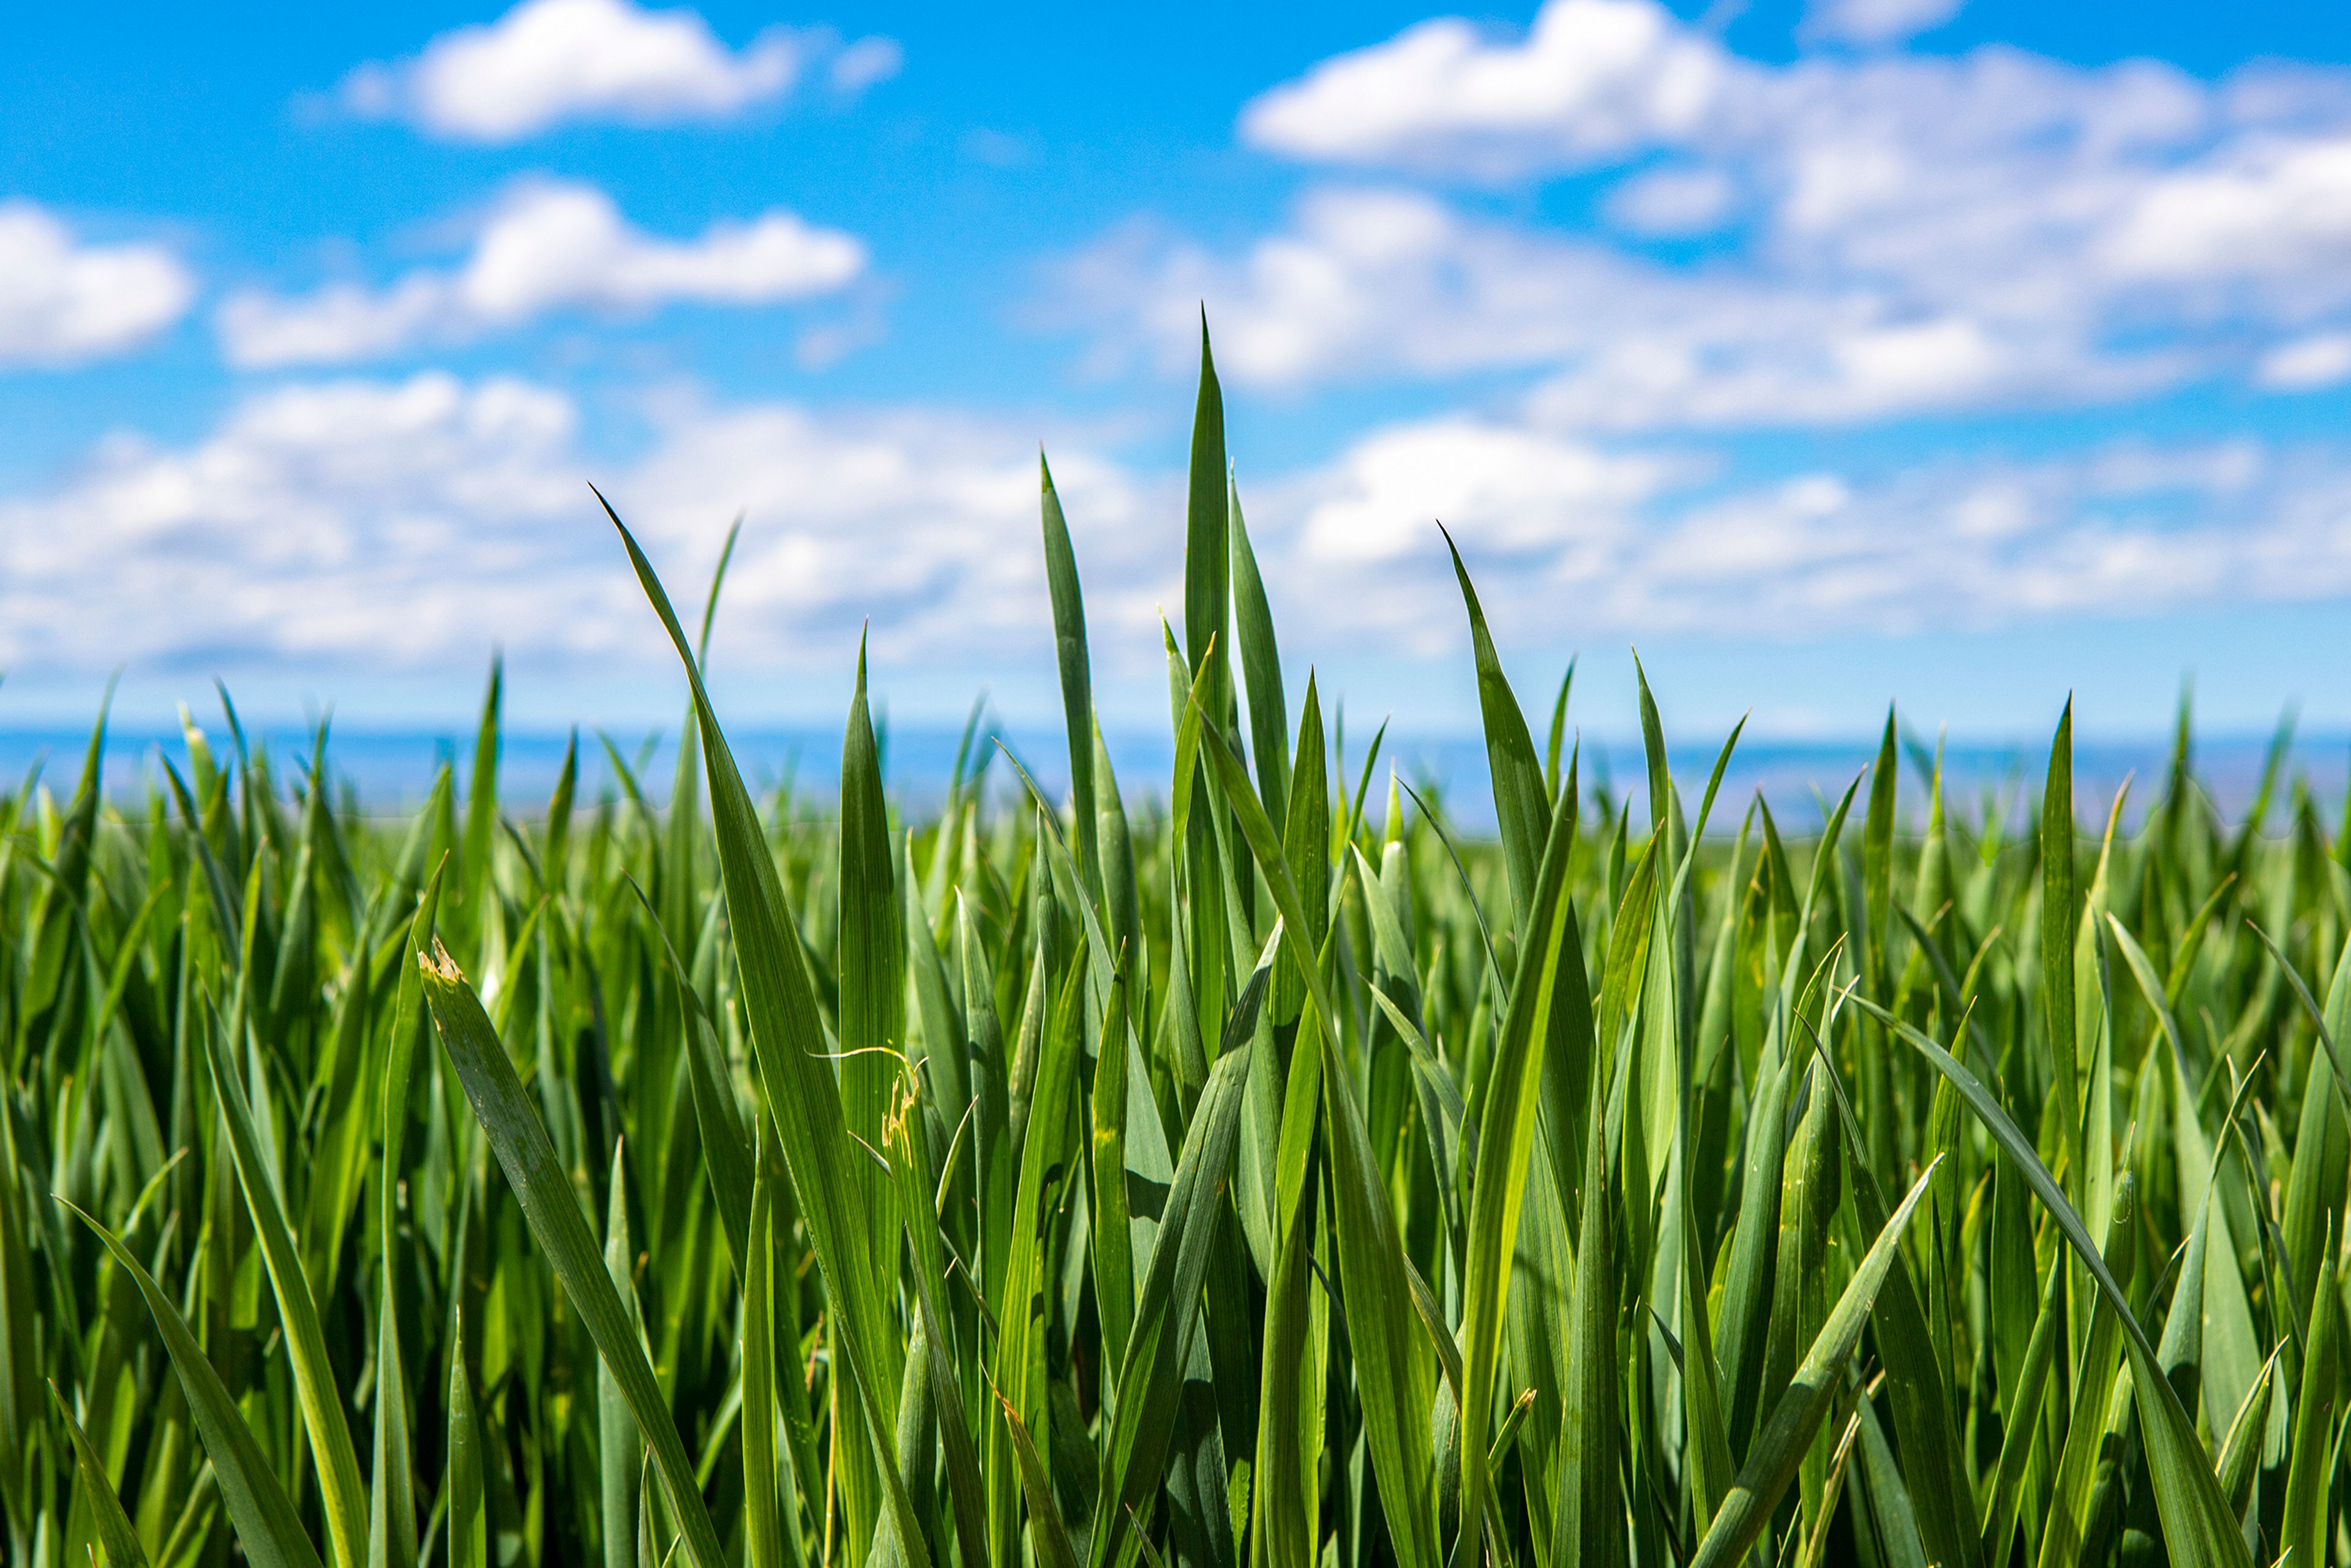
1387, 283
407, 525
1874, 22
1364, 280
1352, 553
1596, 83
377, 522
1885, 234
1568, 539
401, 526
1504, 489
2119, 532
64, 301
546, 246
2279, 210
548, 62
1593, 80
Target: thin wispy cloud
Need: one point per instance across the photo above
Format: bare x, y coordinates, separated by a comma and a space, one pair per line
548, 63
1876, 23
544, 247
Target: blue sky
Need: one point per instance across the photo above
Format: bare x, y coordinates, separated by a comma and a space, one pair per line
1827, 351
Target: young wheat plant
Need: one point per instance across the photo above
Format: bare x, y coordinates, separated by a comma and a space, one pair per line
1252, 1167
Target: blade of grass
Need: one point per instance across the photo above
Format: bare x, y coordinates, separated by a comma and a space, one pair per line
1077, 677
1024, 1306
114, 1528
391, 1501
787, 1037
621, 1446
1521, 804
1506, 1138
2094, 1382
468, 1513
2311, 1449
344, 1494
768, 1540
1268, 714
1049, 1538
1135, 1454
2021, 1422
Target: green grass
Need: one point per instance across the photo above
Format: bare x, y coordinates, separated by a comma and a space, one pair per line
1248, 1165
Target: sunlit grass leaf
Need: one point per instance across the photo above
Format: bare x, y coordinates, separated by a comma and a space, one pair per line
2059, 917
1916, 1393
1588, 1528
2062, 1530
1024, 1302
1521, 802
768, 1540
621, 1446
870, 967
1207, 540
1076, 671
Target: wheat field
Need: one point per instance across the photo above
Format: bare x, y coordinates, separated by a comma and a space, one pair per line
1249, 1165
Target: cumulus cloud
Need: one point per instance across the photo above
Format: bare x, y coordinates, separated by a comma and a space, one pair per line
2278, 211
405, 524
1592, 80
545, 247
1886, 234
66, 301
549, 62
1371, 283
375, 521
1506, 490
1595, 83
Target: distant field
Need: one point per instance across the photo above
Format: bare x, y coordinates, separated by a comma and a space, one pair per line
393, 770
